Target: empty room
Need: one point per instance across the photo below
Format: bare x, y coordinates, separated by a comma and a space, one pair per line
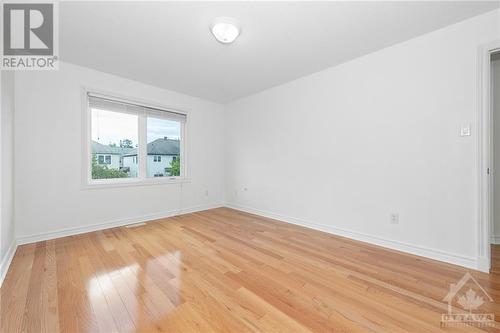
250, 166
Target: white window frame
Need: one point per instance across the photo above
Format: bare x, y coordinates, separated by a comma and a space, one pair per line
141, 179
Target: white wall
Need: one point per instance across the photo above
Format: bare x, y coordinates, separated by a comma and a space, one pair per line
375, 136
7, 168
48, 125
495, 80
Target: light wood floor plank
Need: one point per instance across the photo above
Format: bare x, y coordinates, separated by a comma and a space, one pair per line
223, 270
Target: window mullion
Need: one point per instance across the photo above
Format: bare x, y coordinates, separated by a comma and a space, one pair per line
142, 151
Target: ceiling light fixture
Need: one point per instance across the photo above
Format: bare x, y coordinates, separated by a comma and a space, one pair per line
225, 29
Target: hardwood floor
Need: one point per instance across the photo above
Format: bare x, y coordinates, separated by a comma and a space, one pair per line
226, 271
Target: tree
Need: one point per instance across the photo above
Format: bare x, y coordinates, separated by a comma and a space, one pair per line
126, 143
103, 172
112, 144
175, 166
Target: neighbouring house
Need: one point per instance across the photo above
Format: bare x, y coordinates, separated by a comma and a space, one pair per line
161, 153
112, 157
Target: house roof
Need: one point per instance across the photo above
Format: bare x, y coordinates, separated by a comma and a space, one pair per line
98, 148
163, 146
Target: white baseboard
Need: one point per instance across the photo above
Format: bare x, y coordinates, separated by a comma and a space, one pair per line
468, 262
26, 239
495, 239
6, 260
464, 261
483, 264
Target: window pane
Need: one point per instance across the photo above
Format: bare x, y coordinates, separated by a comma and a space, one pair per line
163, 147
114, 144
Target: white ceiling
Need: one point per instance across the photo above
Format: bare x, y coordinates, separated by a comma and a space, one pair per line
169, 45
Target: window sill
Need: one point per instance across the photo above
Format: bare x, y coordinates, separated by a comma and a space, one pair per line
103, 184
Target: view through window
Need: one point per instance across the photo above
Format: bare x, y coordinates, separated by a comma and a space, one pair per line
114, 136
163, 147
116, 145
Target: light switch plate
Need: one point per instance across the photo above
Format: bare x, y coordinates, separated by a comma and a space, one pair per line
465, 130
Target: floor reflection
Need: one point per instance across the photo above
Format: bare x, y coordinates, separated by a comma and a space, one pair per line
147, 291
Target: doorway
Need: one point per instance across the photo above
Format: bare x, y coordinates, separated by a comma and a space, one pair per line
495, 159
486, 89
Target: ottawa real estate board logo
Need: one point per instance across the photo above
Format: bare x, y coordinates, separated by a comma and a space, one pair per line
30, 36
467, 301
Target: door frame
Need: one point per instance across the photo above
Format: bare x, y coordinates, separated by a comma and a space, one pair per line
485, 154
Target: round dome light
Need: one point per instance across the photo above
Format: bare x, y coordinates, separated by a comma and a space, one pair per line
225, 29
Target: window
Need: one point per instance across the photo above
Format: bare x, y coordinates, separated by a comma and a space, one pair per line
104, 159
112, 132
164, 144
128, 140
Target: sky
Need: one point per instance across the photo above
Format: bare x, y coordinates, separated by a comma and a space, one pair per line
111, 127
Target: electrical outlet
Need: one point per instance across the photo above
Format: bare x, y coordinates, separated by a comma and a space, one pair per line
394, 218
206, 193
245, 189
465, 130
